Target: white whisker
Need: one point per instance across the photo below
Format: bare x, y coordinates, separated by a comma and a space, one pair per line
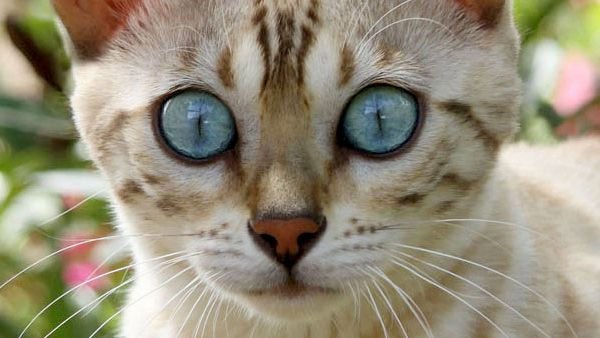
382, 18
522, 227
254, 328
376, 309
400, 263
138, 300
184, 299
517, 282
354, 22
190, 312
216, 319
75, 288
87, 199
426, 20
414, 308
226, 29
228, 311
390, 306
187, 289
355, 300
93, 304
480, 288
219, 276
210, 309
106, 260
88, 241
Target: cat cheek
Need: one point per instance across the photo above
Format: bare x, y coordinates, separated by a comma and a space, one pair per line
92, 24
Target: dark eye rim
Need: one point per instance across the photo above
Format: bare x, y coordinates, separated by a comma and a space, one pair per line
345, 144
157, 129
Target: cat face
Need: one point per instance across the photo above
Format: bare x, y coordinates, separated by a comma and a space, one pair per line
291, 144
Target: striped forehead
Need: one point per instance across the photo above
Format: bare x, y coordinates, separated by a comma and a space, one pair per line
286, 60
285, 34
286, 56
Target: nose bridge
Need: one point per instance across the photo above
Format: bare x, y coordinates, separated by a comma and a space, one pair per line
286, 178
286, 189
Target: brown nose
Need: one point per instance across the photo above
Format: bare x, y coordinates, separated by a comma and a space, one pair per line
286, 240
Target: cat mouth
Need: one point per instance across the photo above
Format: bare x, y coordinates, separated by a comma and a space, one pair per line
292, 301
292, 290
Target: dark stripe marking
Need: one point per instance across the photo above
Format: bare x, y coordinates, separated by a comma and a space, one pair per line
129, 190
105, 138
151, 179
168, 206
458, 181
259, 19
308, 39
224, 69
259, 16
465, 113
285, 32
347, 66
411, 199
445, 206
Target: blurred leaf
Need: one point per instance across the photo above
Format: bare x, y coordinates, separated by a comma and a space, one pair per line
548, 113
530, 15
40, 43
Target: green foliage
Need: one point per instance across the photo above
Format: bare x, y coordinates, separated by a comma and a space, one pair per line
38, 144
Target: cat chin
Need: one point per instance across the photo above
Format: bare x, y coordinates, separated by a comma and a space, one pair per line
292, 304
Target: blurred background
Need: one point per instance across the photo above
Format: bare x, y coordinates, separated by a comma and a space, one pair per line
44, 171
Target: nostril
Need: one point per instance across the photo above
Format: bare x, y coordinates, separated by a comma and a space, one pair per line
306, 239
269, 240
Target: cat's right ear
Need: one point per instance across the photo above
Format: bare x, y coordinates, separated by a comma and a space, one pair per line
91, 24
487, 12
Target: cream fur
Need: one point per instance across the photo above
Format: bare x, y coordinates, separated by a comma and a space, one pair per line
533, 212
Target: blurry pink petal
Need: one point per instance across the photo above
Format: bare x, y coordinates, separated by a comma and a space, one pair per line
77, 249
577, 85
70, 201
77, 273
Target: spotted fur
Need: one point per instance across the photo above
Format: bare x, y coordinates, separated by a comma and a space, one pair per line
287, 69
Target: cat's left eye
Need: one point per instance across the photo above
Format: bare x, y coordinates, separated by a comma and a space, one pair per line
196, 125
379, 120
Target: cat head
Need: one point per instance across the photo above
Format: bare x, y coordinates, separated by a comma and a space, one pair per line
291, 144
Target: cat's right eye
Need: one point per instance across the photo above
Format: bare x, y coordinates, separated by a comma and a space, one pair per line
196, 125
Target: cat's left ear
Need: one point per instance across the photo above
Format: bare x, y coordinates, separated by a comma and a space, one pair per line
91, 24
486, 12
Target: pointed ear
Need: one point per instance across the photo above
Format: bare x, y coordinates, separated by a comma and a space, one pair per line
487, 12
92, 23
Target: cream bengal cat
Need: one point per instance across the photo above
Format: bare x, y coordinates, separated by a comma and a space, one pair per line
332, 168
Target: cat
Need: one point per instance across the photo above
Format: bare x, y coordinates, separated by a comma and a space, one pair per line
332, 168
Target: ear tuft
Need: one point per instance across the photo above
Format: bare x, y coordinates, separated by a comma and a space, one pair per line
487, 12
92, 23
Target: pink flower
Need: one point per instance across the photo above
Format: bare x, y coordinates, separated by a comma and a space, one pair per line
72, 241
71, 200
577, 85
77, 273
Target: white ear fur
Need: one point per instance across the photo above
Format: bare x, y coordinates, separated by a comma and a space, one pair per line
91, 24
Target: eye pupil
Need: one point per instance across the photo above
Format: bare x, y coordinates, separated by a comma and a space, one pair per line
196, 125
200, 122
379, 120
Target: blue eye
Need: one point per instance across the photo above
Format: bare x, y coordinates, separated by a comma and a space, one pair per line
197, 125
380, 120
